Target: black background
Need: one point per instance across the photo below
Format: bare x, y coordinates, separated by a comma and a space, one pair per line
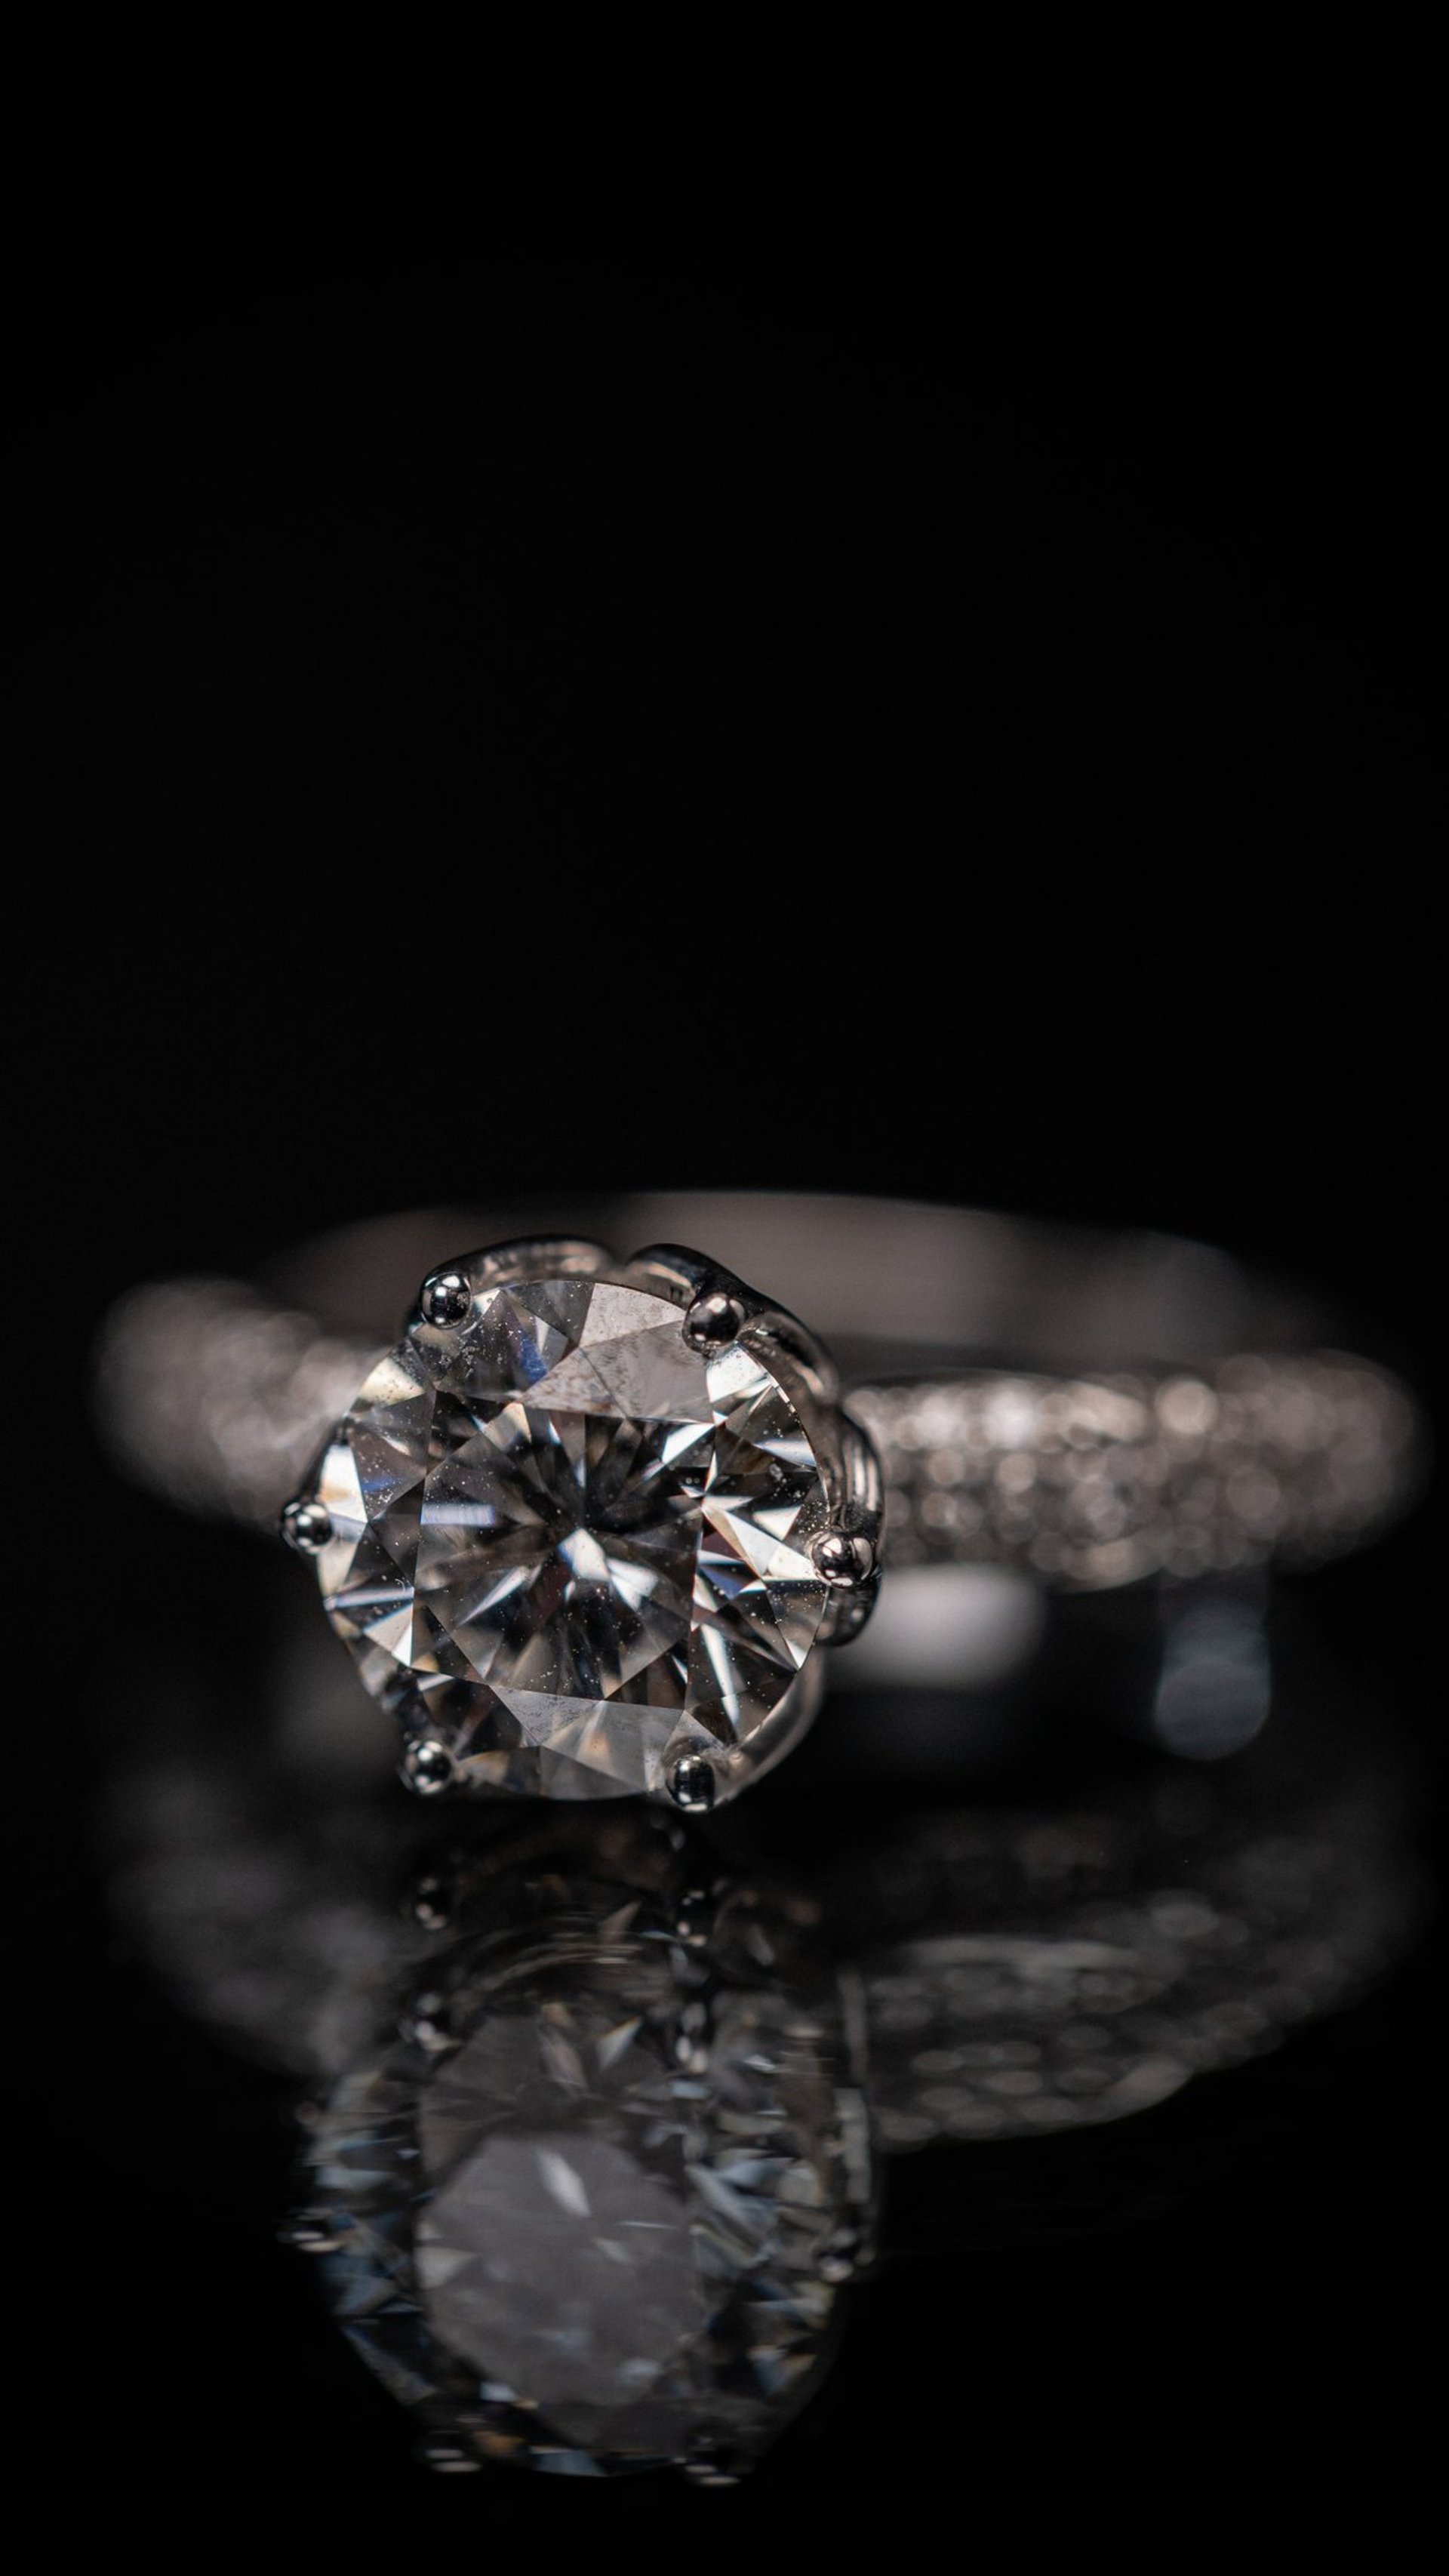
579, 672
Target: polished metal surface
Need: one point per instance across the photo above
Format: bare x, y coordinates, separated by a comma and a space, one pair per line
1094, 1409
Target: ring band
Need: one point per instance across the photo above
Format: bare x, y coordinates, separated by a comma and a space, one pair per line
585, 1526
1094, 1408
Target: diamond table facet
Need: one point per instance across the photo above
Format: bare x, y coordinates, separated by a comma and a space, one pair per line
570, 1546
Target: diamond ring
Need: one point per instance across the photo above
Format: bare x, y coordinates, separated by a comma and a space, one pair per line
585, 1527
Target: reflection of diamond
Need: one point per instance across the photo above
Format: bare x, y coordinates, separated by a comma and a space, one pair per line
569, 1546
559, 2266
598, 2213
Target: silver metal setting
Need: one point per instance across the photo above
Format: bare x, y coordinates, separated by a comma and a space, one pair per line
427, 1768
305, 1525
847, 1558
692, 1785
714, 1321
844, 1558
217, 1397
718, 1313
1093, 1411
446, 1298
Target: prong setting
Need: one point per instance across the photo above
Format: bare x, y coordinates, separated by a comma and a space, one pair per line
428, 1767
584, 1338
445, 1299
692, 1784
305, 1524
845, 1559
714, 1321
311, 2231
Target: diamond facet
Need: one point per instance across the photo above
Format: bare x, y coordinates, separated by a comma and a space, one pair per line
570, 1546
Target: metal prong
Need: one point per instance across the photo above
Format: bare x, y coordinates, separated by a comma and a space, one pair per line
432, 1903
446, 1298
426, 2026
693, 1917
840, 2257
692, 1783
427, 1767
710, 2464
845, 1559
311, 2231
305, 1524
714, 1321
446, 2459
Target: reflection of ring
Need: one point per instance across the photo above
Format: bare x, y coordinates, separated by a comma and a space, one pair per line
584, 1526
595, 2126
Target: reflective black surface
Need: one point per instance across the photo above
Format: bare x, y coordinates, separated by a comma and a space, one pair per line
1145, 2042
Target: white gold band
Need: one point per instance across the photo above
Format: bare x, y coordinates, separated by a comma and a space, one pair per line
1097, 1409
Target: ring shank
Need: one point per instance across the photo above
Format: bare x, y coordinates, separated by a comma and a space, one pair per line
1096, 1408
875, 1277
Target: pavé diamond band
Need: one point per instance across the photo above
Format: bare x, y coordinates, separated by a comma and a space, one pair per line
585, 1525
